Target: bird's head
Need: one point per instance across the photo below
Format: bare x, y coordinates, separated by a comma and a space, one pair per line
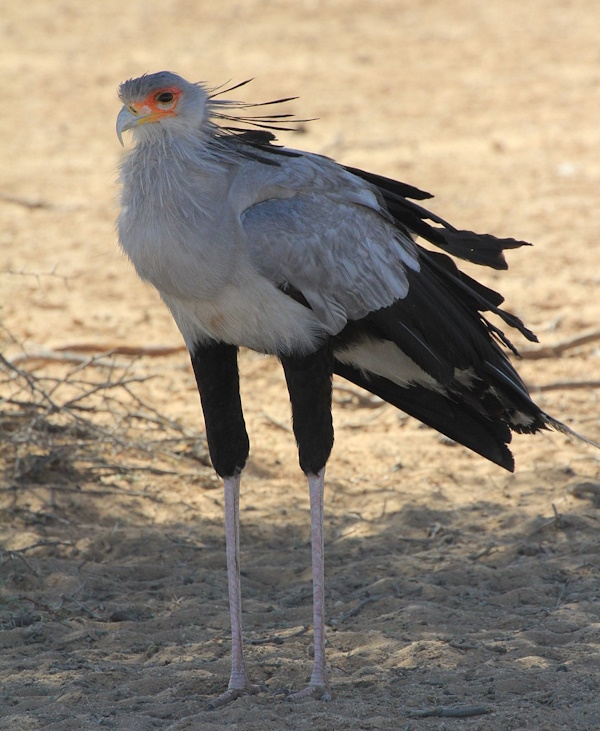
162, 101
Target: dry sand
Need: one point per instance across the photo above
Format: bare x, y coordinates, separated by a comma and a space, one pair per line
482, 587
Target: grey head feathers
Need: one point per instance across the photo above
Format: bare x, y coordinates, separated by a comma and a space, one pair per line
136, 90
143, 98
199, 107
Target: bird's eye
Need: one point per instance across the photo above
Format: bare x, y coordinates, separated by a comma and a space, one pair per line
164, 97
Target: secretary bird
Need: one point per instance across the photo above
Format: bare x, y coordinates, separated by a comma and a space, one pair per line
289, 253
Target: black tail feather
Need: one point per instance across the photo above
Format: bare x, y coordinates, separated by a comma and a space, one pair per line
454, 418
483, 249
479, 296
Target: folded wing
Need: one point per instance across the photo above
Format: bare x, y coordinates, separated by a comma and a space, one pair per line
345, 259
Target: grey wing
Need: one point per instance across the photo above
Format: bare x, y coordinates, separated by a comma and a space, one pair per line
346, 258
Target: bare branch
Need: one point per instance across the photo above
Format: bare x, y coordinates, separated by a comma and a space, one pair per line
449, 711
566, 385
556, 350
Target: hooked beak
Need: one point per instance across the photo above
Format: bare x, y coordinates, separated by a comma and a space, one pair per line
126, 120
133, 116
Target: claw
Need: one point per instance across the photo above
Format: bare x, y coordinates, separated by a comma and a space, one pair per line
232, 694
319, 692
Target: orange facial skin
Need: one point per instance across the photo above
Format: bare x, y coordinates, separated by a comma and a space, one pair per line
161, 103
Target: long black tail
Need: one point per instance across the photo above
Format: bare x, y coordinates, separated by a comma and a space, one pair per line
451, 416
434, 354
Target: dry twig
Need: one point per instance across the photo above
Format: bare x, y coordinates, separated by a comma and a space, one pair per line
482, 553
554, 351
566, 385
275, 422
362, 399
80, 353
49, 423
449, 712
277, 639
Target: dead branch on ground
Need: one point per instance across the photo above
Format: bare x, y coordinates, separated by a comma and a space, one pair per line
556, 350
54, 426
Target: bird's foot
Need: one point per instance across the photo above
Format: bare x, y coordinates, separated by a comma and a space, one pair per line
319, 691
232, 694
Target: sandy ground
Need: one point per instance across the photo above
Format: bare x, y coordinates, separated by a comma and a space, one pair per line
449, 582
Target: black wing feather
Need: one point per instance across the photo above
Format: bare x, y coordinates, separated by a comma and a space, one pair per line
483, 249
450, 416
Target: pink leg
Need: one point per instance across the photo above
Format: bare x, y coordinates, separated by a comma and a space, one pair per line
239, 683
318, 686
